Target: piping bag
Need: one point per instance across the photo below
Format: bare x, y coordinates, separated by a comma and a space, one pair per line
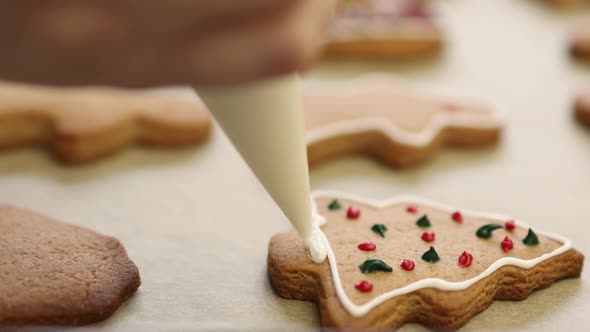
264, 121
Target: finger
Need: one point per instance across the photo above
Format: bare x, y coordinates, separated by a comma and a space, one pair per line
281, 43
177, 15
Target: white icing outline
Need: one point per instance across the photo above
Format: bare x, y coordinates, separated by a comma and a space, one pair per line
360, 310
433, 20
419, 139
316, 243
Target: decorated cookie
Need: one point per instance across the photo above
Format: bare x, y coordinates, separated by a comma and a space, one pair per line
84, 124
582, 108
429, 267
53, 273
383, 29
384, 119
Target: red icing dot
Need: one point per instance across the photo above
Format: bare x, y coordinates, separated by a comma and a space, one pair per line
367, 246
364, 286
510, 225
428, 236
353, 212
412, 209
465, 259
507, 244
417, 11
450, 106
407, 265
457, 217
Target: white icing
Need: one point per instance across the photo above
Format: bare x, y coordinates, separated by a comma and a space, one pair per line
318, 219
318, 250
360, 310
380, 20
438, 122
264, 121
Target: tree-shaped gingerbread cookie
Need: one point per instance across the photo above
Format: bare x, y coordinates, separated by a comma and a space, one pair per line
409, 260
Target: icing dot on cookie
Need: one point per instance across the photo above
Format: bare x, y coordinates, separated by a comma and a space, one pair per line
531, 239
334, 205
507, 244
367, 246
423, 222
450, 106
353, 213
412, 209
431, 256
457, 217
364, 286
510, 225
417, 11
379, 229
373, 265
407, 265
485, 231
428, 236
465, 259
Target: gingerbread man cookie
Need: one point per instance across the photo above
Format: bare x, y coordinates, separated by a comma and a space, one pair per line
84, 124
382, 118
383, 29
409, 260
53, 273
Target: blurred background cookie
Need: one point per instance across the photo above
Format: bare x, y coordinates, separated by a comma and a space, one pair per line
580, 40
387, 29
385, 119
565, 4
84, 124
582, 107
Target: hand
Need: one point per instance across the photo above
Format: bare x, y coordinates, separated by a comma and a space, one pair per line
158, 42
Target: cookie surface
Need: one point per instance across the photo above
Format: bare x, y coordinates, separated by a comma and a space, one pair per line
440, 280
384, 119
383, 29
580, 41
53, 273
565, 4
84, 124
582, 108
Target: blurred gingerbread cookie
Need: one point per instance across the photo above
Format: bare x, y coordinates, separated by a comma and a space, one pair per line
565, 4
84, 124
383, 29
387, 120
582, 108
580, 40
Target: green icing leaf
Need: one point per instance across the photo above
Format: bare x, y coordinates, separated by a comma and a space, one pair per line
379, 229
334, 205
373, 265
531, 239
485, 231
423, 222
431, 256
